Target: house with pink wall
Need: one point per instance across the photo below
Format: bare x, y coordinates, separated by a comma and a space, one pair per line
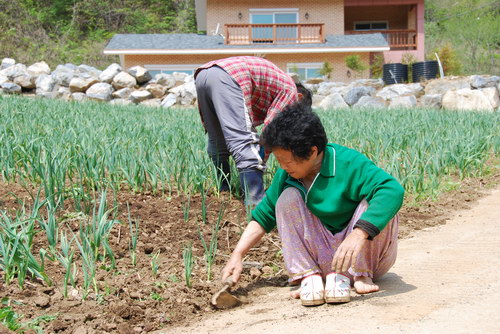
297, 35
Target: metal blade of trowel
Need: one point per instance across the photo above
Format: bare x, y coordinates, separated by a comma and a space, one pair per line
223, 299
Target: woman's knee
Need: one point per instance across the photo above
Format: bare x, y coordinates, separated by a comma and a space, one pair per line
289, 197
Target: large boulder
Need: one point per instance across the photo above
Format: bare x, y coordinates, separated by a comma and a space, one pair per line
373, 83
72, 67
466, 99
63, 93
164, 79
392, 91
120, 102
483, 81
79, 84
370, 102
153, 103
25, 80
123, 93
139, 96
109, 73
19, 75
7, 62
45, 85
79, 96
317, 99
169, 100
327, 88
89, 70
100, 91
123, 79
12, 71
441, 86
156, 90
354, 94
140, 74
38, 69
3, 79
408, 101
180, 77
11, 88
491, 94
333, 101
187, 92
63, 75
431, 101
295, 77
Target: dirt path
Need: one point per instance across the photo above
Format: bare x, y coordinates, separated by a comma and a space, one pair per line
445, 281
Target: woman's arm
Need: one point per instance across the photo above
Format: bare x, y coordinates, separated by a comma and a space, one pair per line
252, 234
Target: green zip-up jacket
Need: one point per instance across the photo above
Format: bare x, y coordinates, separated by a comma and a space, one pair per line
345, 178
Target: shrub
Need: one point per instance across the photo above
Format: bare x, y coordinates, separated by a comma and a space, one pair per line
449, 59
326, 70
355, 64
377, 66
409, 59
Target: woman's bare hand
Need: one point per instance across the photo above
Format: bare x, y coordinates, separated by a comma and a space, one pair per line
348, 251
233, 267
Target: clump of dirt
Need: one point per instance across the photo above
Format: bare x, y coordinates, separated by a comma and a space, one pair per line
132, 299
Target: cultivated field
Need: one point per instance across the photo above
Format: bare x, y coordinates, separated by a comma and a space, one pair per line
110, 219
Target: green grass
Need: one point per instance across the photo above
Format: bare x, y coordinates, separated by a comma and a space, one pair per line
96, 146
73, 153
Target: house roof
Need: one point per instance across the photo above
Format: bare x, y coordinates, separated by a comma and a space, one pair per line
204, 44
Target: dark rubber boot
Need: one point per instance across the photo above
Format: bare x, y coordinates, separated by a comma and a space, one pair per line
223, 171
252, 185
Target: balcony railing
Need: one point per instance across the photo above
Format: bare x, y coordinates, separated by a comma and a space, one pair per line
397, 39
274, 33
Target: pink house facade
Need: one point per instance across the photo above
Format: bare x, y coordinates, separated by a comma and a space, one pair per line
297, 35
401, 22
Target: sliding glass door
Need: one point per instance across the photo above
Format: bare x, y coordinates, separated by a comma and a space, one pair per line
266, 34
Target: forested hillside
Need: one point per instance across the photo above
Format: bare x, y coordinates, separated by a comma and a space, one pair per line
464, 32
76, 31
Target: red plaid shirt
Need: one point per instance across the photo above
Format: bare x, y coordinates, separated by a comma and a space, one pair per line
267, 90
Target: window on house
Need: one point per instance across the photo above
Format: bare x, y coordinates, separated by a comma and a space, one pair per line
169, 69
274, 16
305, 71
378, 25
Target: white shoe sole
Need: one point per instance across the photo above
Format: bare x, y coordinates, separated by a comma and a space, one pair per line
315, 302
336, 300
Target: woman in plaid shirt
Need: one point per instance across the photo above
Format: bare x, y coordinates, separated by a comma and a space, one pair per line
235, 95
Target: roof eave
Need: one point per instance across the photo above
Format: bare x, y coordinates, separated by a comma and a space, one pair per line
244, 51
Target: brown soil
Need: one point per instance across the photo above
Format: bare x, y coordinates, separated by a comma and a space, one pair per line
132, 300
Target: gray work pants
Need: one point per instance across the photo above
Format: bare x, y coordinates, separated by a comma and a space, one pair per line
226, 119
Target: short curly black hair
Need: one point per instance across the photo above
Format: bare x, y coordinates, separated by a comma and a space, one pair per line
297, 129
306, 94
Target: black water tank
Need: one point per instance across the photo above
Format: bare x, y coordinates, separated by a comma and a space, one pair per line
424, 70
395, 73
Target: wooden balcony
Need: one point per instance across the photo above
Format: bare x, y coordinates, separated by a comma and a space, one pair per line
397, 39
240, 34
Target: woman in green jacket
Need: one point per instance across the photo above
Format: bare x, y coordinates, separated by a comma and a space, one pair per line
335, 210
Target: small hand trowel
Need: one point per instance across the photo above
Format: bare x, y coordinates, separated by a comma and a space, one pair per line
222, 299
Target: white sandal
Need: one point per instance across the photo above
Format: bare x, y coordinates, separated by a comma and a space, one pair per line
338, 288
312, 290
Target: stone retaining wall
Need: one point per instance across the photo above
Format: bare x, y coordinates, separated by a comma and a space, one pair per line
136, 86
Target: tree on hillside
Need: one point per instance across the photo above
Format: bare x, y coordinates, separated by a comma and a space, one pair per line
76, 31
471, 27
